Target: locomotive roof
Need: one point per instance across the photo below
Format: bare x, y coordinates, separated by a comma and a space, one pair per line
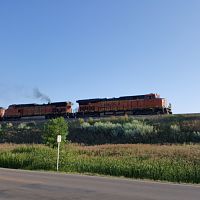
34, 104
115, 99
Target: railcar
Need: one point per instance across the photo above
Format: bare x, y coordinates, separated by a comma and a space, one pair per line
50, 110
149, 104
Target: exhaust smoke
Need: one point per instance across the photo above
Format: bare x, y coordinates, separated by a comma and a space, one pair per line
39, 95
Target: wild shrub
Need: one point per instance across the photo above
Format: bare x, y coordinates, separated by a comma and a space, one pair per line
108, 132
23, 126
138, 132
53, 128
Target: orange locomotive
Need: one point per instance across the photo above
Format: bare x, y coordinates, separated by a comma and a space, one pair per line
50, 110
148, 104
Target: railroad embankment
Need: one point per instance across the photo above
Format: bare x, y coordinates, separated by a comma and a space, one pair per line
162, 129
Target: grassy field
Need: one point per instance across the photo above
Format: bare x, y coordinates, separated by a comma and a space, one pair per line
176, 163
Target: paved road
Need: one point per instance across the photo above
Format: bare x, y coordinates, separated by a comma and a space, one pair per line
26, 185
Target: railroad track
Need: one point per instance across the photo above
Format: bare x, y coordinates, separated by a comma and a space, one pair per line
42, 120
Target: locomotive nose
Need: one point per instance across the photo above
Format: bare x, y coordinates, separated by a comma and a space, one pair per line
2, 111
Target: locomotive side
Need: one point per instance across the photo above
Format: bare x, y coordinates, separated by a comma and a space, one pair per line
50, 110
148, 104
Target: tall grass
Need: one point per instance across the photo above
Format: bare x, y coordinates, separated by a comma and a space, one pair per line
177, 163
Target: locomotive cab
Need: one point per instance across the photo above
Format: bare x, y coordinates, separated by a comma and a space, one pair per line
152, 96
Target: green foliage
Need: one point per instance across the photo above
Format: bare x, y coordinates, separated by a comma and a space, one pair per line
101, 132
53, 128
138, 131
161, 129
155, 129
80, 121
29, 157
23, 126
9, 125
91, 121
21, 132
175, 128
176, 163
1, 128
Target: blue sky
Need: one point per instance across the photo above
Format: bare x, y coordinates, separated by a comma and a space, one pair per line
77, 49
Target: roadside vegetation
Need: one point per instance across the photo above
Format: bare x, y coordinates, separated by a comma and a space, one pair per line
170, 129
151, 130
52, 128
176, 163
157, 147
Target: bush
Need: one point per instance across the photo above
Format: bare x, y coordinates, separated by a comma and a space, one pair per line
109, 132
138, 132
53, 128
22, 126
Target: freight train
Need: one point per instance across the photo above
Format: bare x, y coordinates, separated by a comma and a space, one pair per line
149, 104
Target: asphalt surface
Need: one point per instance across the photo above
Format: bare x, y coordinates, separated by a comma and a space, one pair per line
29, 185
